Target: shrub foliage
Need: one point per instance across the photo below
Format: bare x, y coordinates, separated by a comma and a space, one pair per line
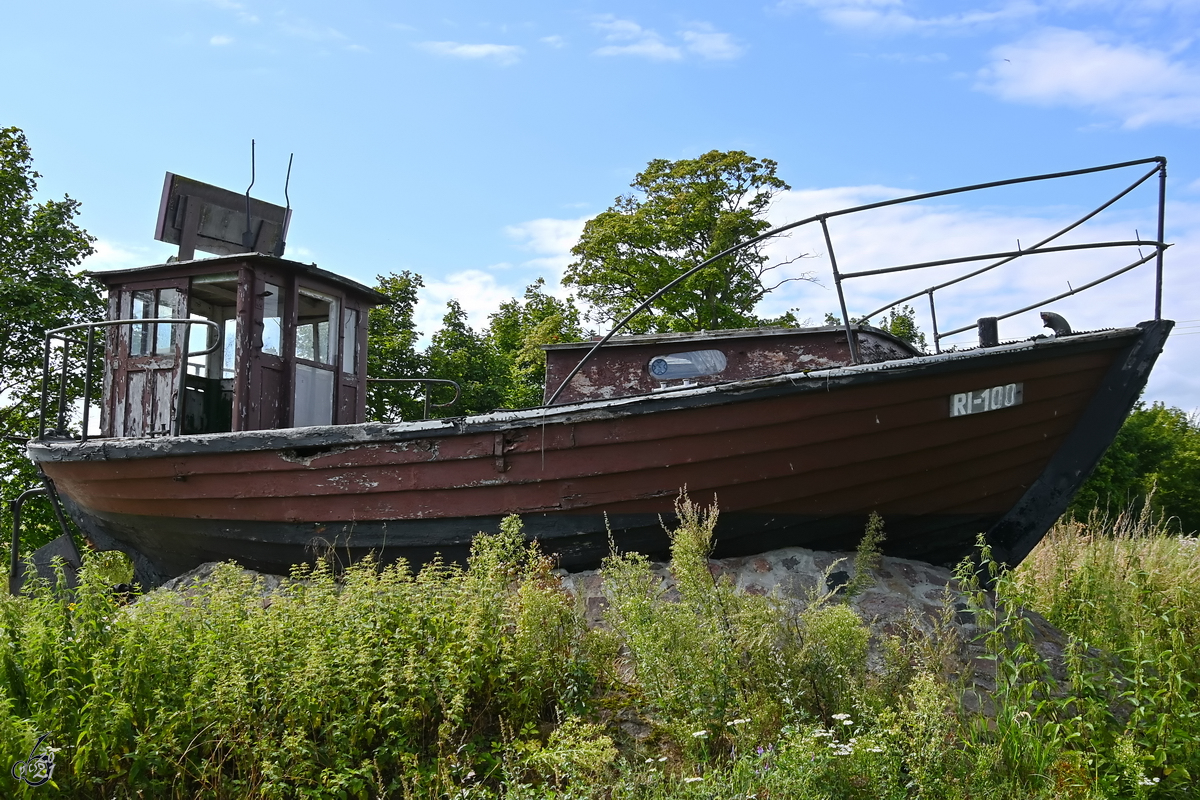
485, 681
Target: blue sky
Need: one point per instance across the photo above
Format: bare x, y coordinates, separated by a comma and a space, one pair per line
468, 141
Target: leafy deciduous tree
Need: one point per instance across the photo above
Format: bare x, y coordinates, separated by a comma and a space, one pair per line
519, 329
681, 213
41, 248
899, 322
472, 359
1155, 454
392, 350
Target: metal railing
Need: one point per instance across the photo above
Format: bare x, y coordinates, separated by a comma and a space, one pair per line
90, 345
998, 259
426, 382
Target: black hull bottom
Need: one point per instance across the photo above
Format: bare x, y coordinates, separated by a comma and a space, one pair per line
165, 547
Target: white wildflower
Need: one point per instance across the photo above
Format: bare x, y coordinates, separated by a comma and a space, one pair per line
699, 734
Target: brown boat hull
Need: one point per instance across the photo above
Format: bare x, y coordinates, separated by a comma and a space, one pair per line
792, 460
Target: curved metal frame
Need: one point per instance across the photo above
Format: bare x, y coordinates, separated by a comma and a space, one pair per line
1160, 168
89, 348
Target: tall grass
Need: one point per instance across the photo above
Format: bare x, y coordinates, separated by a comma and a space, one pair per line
485, 681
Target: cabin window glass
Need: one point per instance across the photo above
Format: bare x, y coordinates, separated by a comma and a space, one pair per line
272, 331
316, 320
314, 396
228, 348
150, 339
165, 335
197, 339
350, 341
139, 335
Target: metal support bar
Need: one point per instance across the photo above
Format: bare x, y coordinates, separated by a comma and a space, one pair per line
1158, 268
1056, 235
87, 382
14, 506
937, 345
89, 343
1056, 297
60, 428
1010, 255
837, 281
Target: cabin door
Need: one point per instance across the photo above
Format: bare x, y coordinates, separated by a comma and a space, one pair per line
264, 392
145, 361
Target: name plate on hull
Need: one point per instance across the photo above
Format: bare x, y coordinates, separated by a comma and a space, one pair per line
981, 400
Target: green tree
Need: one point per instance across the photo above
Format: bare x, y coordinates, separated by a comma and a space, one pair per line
472, 359
681, 213
520, 328
901, 323
1156, 454
392, 350
41, 249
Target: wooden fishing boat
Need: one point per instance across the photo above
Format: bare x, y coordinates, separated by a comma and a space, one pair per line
256, 449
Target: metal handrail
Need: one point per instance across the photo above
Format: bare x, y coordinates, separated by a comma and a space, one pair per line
1056, 235
425, 382
90, 346
1160, 247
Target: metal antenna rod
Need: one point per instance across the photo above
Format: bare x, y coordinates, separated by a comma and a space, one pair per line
279, 245
248, 234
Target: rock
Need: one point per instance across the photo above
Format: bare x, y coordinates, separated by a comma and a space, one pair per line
908, 598
192, 584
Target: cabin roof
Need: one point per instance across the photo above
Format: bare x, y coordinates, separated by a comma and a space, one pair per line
200, 266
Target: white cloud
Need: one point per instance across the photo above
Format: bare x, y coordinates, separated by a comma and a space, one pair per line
547, 235
710, 44
220, 41
1139, 85
237, 8
892, 17
503, 54
313, 32
477, 291
631, 39
552, 240
111, 255
553, 41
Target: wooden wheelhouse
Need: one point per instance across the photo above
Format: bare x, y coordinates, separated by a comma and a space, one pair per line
290, 350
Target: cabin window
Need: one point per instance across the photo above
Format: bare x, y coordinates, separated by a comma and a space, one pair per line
272, 330
316, 319
350, 341
314, 396
680, 366
150, 339
316, 353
